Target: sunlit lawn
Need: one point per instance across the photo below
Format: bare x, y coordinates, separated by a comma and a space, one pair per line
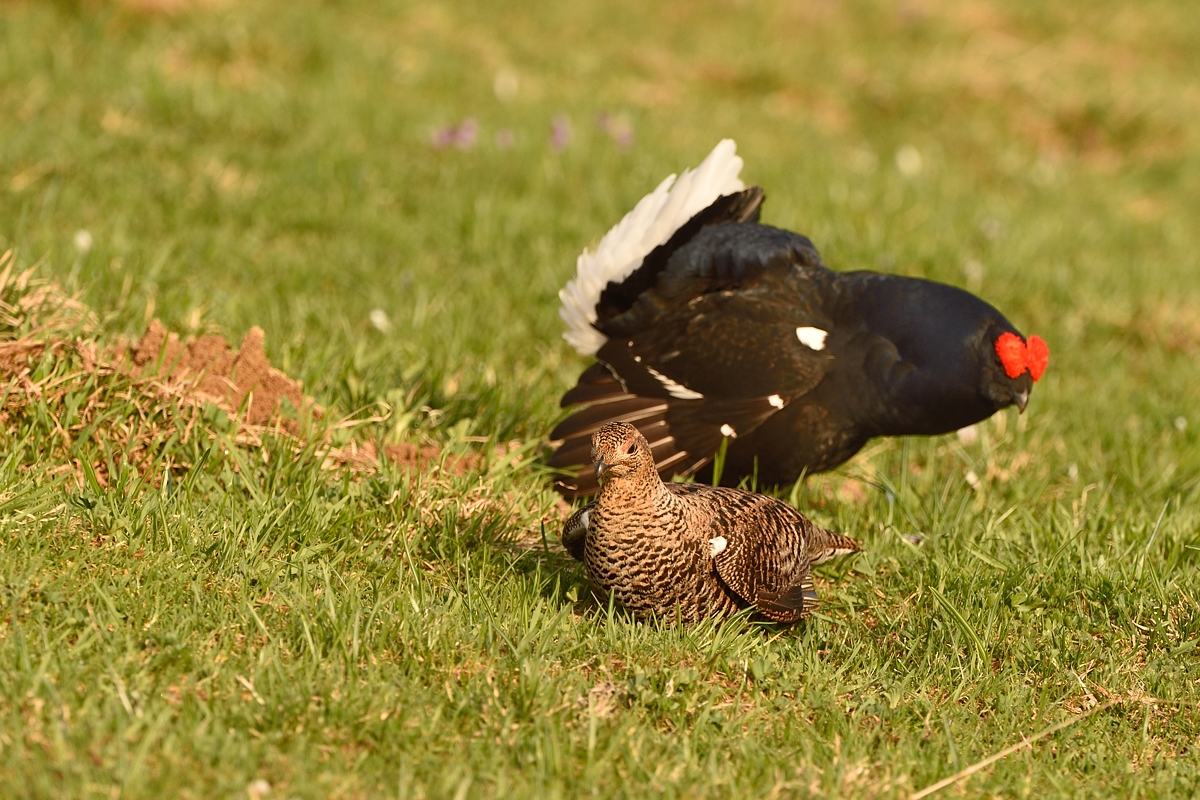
298, 166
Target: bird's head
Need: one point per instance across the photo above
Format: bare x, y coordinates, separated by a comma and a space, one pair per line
1017, 365
968, 360
619, 450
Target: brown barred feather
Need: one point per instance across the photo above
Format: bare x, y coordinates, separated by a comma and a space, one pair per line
691, 550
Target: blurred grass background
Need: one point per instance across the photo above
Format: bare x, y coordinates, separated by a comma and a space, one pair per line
286, 165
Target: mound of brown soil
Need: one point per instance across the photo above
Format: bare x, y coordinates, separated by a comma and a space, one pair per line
241, 382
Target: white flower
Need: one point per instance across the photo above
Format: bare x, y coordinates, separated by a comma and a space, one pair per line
258, 789
379, 320
83, 241
909, 161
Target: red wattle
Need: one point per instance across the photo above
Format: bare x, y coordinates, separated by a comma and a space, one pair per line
1038, 356
1011, 350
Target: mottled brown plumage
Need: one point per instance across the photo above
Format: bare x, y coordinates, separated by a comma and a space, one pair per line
691, 549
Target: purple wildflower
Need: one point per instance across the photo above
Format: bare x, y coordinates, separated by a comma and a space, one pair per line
466, 134
442, 138
560, 132
617, 127
622, 133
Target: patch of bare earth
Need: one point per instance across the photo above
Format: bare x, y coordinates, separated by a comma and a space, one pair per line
241, 382
54, 356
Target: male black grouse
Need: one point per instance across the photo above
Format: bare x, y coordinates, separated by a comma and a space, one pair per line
707, 327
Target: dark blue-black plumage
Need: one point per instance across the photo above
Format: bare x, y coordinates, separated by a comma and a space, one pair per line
735, 331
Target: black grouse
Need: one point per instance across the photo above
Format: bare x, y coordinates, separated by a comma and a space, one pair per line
692, 550
707, 327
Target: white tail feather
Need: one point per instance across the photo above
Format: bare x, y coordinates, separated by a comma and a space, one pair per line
652, 222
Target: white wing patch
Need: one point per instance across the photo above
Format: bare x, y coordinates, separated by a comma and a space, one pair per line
727, 430
812, 338
717, 546
674, 389
584, 518
776, 401
651, 223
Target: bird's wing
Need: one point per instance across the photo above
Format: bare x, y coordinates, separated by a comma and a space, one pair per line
759, 554
730, 332
575, 530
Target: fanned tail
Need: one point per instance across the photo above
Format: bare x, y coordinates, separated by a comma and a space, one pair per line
651, 223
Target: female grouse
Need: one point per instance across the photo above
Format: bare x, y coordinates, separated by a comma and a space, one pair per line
690, 549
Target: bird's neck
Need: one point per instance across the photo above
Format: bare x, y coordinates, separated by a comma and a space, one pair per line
928, 379
929, 401
641, 488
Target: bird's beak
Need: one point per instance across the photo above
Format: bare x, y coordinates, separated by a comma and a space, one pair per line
1022, 399
601, 468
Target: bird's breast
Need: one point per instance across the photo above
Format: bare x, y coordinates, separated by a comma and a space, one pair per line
650, 564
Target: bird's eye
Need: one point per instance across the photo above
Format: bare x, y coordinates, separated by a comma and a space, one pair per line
632, 448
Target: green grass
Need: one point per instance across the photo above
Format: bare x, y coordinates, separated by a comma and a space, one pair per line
255, 616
